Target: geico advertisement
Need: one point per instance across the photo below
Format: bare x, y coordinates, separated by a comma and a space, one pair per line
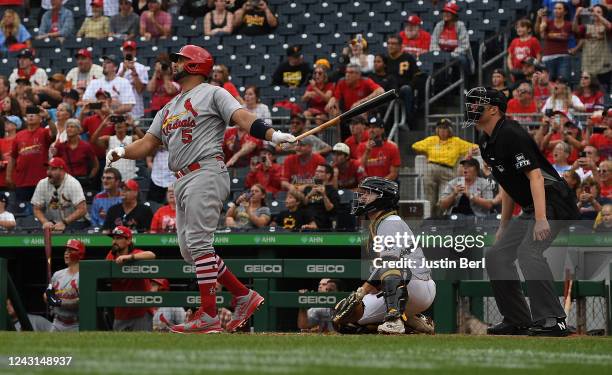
158, 300
325, 268
145, 269
317, 300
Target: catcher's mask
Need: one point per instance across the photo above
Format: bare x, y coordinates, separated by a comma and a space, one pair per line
475, 101
386, 194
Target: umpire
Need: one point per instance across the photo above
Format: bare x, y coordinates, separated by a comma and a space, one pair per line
527, 178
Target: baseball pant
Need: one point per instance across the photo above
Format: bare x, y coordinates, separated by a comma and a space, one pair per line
421, 294
436, 178
61, 327
199, 200
144, 323
517, 243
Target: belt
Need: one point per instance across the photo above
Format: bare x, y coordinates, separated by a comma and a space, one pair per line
192, 168
442, 165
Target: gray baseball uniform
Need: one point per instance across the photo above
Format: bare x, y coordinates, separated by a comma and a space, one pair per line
66, 286
191, 126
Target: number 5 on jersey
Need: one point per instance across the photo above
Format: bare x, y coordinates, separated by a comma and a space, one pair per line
186, 135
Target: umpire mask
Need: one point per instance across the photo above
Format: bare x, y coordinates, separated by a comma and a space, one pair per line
475, 100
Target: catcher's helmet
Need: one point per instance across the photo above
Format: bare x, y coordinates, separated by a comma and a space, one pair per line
387, 191
78, 246
200, 61
477, 98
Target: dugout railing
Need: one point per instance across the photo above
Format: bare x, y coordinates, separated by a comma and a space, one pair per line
264, 272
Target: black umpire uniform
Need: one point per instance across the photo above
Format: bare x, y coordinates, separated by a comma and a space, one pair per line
511, 151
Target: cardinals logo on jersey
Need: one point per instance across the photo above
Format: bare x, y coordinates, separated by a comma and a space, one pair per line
178, 121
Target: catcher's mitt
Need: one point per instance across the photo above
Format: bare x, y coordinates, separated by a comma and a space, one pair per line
349, 309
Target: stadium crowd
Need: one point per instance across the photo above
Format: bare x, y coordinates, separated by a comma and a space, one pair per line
55, 128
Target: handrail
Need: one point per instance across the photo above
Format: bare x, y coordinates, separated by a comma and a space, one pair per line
483, 47
460, 82
399, 119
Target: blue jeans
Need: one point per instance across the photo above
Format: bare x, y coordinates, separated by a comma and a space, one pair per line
559, 67
406, 94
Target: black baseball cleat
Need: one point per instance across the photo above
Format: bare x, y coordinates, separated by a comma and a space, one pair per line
554, 327
505, 328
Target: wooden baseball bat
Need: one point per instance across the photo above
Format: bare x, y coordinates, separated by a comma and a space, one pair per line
47, 238
361, 108
567, 293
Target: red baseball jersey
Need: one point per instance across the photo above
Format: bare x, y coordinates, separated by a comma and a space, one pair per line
129, 285
31, 152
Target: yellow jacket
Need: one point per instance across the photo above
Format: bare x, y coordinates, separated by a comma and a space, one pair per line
447, 152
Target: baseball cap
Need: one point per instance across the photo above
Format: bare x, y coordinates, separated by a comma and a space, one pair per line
103, 93
84, 52
342, 147
294, 51
414, 20
58, 77
4, 197
97, 3
111, 58
121, 231
129, 44
323, 62
32, 110
14, 120
27, 53
470, 163
451, 8
376, 122
56, 163
298, 116
72, 93
76, 245
24, 80
164, 284
131, 185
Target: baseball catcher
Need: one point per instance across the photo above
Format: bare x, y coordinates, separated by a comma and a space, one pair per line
391, 300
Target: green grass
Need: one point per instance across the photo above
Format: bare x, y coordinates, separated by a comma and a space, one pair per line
138, 353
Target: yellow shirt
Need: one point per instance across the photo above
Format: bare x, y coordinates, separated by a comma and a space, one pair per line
95, 28
443, 152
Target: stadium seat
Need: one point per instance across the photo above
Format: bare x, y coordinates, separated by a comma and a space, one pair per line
387, 6
236, 184
323, 8
28, 224
294, 7
346, 196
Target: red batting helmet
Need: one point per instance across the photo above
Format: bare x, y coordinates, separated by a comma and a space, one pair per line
78, 246
200, 61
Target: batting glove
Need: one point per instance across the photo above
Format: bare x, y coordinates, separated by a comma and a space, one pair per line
52, 299
280, 137
114, 155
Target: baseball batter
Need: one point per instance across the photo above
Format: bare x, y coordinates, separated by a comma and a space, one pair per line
404, 293
63, 291
191, 127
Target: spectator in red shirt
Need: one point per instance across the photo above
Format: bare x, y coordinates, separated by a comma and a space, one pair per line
589, 92
359, 134
604, 177
164, 219
155, 23
239, 147
350, 92
92, 116
299, 169
601, 125
522, 103
451, 36
561, 127
29, 155
523, 46
79, 156
123, 251
264, 170
318, 92
415, 40
11, 125
542, 86
220, 77
161, 85
347, 172
555, 34
379, 157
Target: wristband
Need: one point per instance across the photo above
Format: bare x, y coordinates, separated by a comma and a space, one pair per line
259, 129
